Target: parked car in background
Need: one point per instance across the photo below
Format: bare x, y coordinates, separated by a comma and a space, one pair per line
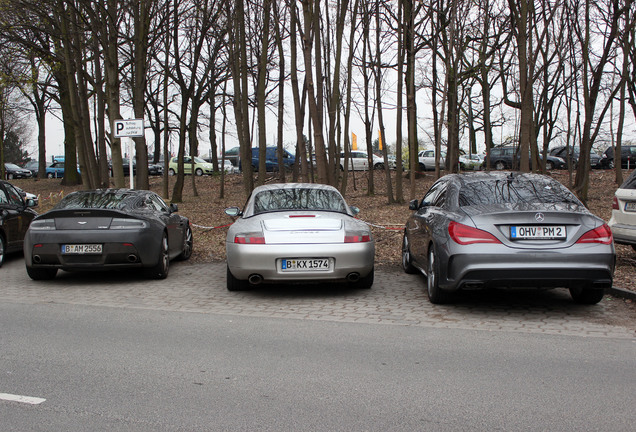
507, 157
154, 169
628, 157
200, 166
107, 229
28, 196
426, 159
359, 161
507, 229
56, 170
15, 217
471, 162
229, 168
271, 159
298, 232
623, 220
571, 156
32, 166
233, 155
12, 171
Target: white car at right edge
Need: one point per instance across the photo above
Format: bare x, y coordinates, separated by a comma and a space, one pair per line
623, 220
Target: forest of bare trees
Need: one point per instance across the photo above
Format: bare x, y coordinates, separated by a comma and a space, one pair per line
452, 75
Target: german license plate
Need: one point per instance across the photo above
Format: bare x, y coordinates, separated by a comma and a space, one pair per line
533, 232
630, 207
82, 249
305, 264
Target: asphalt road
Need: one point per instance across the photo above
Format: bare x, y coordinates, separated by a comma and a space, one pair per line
115, 352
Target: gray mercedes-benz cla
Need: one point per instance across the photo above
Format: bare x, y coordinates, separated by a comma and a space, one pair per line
505, 229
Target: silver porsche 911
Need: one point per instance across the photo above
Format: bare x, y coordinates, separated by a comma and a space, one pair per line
499, 229
298, 232
107, 229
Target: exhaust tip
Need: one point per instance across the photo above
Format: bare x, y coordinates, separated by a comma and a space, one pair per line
132, 258
255, 279
353, 277
37, 259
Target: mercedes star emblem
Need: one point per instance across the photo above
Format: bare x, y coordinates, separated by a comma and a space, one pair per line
539, 217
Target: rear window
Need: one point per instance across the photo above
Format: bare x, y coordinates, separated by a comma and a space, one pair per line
630, 183
516, 191
298, 199
116, 200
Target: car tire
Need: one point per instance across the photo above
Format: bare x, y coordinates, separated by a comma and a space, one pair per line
41, 273
171, 172
422, 167
234, 284
611, 164
161, 269
49, 175
587, 296
188, 242
407, 261
378, 166
9, 176
435, 294
365, 282
499, 165
549, 165
2, 247
198, 172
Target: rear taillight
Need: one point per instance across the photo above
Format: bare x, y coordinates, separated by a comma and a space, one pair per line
357, 237
615, 204
602, 234
464, 235
250, 238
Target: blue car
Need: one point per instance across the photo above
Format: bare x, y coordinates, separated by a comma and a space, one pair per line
56, 170
271, 159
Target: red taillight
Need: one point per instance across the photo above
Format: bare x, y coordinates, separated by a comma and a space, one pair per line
602, 234
464, 235
252, 238
615, 204
357, 238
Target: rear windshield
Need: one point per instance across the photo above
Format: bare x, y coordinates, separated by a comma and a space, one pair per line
630, 183
515, 192
298, 199
101, 200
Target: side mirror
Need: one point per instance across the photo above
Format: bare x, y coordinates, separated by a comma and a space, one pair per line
233, 211
354, 210
173, 208
31, 203
413, 205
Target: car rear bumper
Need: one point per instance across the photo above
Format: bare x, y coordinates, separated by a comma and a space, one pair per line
265, 260
120, 249
527, 269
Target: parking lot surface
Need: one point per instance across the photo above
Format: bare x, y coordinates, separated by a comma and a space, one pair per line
396, 298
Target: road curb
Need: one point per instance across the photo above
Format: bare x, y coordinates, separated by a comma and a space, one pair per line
622, 293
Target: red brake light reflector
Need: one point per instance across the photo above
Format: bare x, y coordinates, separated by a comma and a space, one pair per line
357, 238
602, 234
615, 203
249, 239
465, 235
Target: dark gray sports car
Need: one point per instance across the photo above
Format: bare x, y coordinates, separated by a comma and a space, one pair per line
503, 229
107, 229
